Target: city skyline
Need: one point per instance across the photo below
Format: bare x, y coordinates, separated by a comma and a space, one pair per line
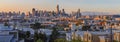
69, 6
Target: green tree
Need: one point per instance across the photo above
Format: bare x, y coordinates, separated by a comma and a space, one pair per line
36, 25
39, 40
60, 40
85, 28
76, 41
42, 37
55, 32
6, 24
21, 34
54, 35
115, 41
27, 34
36, 36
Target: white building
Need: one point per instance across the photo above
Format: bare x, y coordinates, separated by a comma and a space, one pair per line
8, 34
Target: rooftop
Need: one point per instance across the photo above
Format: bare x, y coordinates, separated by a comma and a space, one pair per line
6, 38
5, 28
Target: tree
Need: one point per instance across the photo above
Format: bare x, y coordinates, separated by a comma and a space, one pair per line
60, 40
85, 28
76, 41
115, 41
6, 24
55, 32
39, 40
54, 35
36, 36
36, 25
21, 34
27, 34
40, 36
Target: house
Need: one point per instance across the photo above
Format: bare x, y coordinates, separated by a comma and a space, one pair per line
68, 36
96, 36
117, 36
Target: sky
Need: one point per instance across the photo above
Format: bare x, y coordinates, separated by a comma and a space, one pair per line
112, 6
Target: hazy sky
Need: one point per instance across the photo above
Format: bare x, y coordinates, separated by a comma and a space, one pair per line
68, 5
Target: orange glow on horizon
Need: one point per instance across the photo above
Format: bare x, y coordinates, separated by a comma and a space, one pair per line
68, 10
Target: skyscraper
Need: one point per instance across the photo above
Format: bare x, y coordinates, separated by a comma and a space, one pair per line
78, 11
33, 11
78, 14
63, 11
57, 9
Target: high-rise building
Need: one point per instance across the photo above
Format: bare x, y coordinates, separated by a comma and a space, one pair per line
78, 10
78, 14
33, 11
57, 9
63, 11
36, 13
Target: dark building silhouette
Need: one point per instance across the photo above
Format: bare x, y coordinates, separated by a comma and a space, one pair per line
33, 11
58, 11
63, 11
78, 14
